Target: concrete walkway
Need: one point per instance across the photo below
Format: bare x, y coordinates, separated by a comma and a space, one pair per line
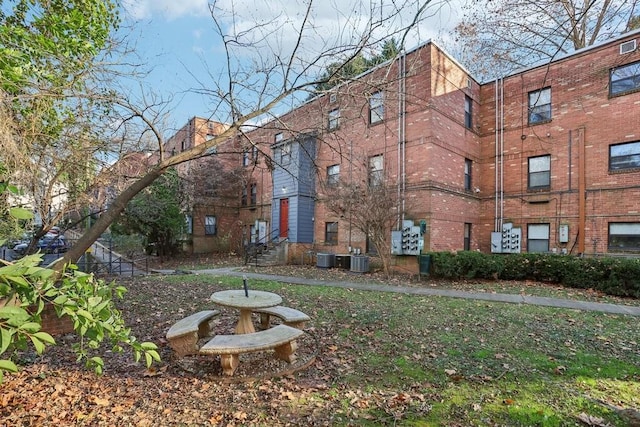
484, 296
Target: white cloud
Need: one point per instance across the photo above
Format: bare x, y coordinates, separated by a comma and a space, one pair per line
168, 9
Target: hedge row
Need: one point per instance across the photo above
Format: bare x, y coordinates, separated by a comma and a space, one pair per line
613, 276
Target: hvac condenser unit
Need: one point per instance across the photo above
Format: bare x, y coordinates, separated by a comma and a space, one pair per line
359, 264
326, 260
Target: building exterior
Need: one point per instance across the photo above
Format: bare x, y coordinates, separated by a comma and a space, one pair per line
546, 159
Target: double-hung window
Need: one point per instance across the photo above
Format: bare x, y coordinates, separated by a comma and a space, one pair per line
210, 225
624, 156
376, 107
624, 79
333, 175
624, 235
468, 112
331, 233
285, 154
334, 119
539, 172
254, 194
540, 106
376, 170
467, 174
538, 238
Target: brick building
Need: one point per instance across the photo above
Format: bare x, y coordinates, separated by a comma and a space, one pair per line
544, 159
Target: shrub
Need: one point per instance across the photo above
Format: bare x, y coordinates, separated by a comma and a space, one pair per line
614, 276
25, 289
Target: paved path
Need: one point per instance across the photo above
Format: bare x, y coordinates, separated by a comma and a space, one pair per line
485, 296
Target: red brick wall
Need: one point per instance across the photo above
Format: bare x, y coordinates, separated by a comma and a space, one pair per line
580, 103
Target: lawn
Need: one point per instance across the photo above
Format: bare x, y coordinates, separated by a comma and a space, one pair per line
380, 359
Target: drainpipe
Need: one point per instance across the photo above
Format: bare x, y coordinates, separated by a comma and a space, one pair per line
582, 192
401, 136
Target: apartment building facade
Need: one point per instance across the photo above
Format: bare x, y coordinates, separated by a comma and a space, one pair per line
546, 159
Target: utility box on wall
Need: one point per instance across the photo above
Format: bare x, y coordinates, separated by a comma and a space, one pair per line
407, 241
563, 233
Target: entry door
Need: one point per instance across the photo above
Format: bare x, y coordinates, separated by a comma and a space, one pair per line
284, 218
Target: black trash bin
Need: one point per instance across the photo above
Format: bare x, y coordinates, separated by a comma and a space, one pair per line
424, 261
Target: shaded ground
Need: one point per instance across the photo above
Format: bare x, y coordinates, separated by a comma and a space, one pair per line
374, 359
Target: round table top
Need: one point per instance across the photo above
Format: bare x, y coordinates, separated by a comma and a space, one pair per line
236, 298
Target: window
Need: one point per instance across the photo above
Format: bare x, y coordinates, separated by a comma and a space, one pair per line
624, 79
331, 233
254, 194
467, 236
278, 137
376, 108
189, 224
245, 158
468, 112
539, 172
333, 175
624, 156
210, 225
334, 119
285, 154
183, 145
624, 235
375, 170
254, 153
243, 197
538, 238
540, 106
467, 174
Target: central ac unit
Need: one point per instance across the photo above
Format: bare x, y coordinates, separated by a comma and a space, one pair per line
359, 264
326, 260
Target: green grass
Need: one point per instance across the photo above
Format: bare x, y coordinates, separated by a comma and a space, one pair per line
460, 362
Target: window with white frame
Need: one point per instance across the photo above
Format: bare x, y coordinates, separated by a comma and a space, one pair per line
376, 170
333, 175
539, 172
467, 174
245, 158
285, 154
624, 236
254, 194
538, 238
624, 79
210, 225
468, 112
334, 119
376, 107
540, 106
189, 223
624, 156
331, 233
278, 137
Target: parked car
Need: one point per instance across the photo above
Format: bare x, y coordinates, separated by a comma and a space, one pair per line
52, 244
49, 244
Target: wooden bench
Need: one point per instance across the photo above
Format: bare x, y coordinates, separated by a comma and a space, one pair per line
280, 338
183, 336
290, 316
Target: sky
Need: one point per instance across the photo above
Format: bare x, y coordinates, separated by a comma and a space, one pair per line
177, 41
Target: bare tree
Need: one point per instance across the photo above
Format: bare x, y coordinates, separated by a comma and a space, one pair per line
505, 35
370, 208
260, 77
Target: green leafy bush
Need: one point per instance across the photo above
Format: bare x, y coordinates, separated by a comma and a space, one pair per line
614, 276
25, 289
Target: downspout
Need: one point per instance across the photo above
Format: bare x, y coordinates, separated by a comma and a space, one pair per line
501, 153
496, 156
582, 192
401, 164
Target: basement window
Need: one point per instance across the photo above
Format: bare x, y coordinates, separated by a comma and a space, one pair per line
624, 236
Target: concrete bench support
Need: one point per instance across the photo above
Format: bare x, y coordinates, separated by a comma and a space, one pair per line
280, 338
183, 336
290, 316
